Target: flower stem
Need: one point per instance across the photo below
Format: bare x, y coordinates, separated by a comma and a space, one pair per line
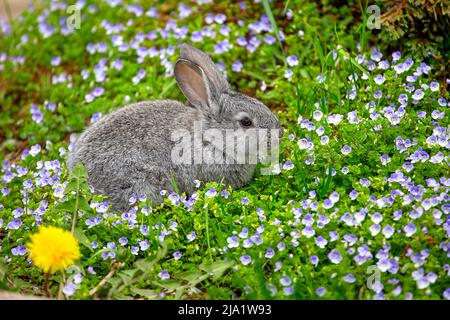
114, 268
46, 289
75, 214
207, 233
60, 289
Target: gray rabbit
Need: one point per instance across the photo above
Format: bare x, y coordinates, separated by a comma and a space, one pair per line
134, 150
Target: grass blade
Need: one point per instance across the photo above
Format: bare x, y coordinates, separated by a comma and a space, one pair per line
273, 23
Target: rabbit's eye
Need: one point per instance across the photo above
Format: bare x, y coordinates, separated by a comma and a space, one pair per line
246, 122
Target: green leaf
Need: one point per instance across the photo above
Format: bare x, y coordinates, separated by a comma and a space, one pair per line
216, 268
143, 264
168, 85
126, 278
114, 282
123, 297
258, 75
81, 237
77, 179
273, 23
79, 171
193, 277
83, 204
147, 293
170, 284
71, 186
68, 205
130, 272
319, 50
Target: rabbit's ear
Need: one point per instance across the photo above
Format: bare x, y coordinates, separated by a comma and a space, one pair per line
196, 87
191, 80
217, 81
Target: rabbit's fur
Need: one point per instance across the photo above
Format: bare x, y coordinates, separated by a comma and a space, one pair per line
129, 150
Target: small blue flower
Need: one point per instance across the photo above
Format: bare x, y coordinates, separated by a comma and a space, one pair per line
446, 294
132, 199
134, 250
334, 197
288, 165
177, 255
321, 77
111, 245
396, 56
237, 66
225, 194
442, 102
410, 229
335, 256
245, 259
350, 278
14, 224
379, 79
418, 94
388, 231
327, 204
69, 289
164, 275
333, 235
19, 251
292, 60
365, 182
378, 94
281, 246
78, 278
233, 242
244, 233
321, 291
123, 241
285, 281
314, 260
212, 192
288, 290
174, 198
308, 231
5, 190
191, 236
288, 74
321, 242
346, 150
55, 61
144, 245
91, 270
93, 221
270, 253
144, 230
270, 40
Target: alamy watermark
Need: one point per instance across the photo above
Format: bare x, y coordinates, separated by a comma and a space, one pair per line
374, 20
74, 19
375, 278
217, 146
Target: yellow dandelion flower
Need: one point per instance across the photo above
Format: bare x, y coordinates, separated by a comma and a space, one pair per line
53, 249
